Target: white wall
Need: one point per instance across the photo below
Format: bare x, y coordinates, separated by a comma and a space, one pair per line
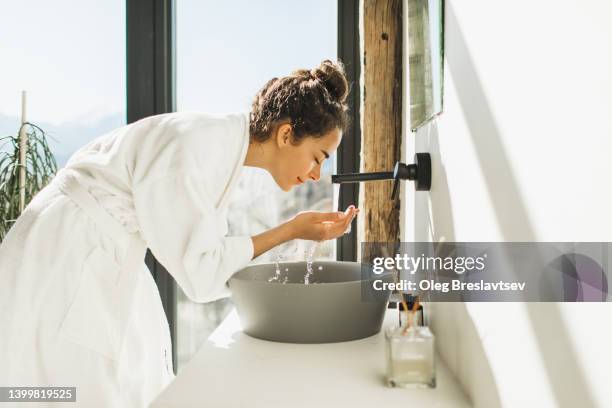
522, 152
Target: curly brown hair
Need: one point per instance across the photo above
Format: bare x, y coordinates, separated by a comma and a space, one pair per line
313, 101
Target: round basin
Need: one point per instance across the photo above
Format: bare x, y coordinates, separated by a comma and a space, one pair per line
336, 305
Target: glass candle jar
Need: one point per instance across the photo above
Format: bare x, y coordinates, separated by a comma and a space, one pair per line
410, 356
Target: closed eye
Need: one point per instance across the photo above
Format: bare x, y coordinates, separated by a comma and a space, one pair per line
326, 157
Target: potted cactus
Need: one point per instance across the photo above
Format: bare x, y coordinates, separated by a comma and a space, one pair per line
26, 166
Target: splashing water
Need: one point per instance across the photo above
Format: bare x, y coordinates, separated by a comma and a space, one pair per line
309, 256
309, 253
277, 272
279, 259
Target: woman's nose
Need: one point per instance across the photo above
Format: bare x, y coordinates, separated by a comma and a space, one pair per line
316, 173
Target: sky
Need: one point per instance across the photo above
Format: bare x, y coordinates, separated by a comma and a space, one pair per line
69, 55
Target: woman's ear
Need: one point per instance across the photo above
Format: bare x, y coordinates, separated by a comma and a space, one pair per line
283, 135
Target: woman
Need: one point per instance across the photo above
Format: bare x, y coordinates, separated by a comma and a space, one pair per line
78, 305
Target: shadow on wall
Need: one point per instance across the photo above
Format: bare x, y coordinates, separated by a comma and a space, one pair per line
565, 376
470, 364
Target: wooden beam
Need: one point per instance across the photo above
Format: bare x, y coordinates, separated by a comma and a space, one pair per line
382, 116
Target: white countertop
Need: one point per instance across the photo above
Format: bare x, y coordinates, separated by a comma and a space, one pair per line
232, 369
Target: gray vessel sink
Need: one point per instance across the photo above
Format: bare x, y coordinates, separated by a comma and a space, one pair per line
329, 309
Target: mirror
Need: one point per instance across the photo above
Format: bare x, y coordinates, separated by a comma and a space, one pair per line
425, 60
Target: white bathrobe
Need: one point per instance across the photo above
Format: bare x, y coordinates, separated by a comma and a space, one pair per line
78, 306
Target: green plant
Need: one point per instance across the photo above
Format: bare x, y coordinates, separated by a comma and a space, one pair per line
40, 168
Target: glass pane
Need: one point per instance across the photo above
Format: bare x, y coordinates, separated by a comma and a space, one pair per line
69, 56
426, 50
223, 58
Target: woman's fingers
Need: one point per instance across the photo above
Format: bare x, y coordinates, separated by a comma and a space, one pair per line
338, 229
321, 226
333, 216
347, 230
349, 221
329, 216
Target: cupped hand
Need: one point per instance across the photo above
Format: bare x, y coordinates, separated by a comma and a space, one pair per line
322, 226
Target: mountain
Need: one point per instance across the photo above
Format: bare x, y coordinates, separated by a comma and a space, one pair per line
69, 136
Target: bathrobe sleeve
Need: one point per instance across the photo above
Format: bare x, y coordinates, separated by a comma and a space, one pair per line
186, 234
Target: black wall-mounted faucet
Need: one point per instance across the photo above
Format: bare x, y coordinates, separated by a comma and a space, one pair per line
419, 172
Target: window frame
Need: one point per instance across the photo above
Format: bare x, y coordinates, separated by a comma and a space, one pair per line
150, 83
348, 152
151, 90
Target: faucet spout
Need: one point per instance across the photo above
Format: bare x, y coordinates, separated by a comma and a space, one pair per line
359, 177
419, 172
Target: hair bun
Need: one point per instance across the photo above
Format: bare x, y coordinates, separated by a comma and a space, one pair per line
333, 78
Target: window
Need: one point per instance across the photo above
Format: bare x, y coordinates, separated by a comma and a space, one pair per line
226, 51
69, 56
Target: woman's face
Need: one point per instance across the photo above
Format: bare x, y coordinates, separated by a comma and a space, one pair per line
296, 164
